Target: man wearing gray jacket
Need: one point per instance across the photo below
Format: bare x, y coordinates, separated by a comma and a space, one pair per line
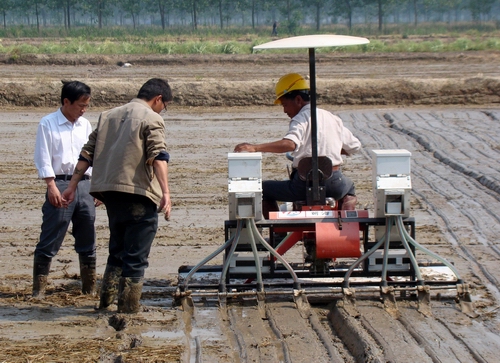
128, 154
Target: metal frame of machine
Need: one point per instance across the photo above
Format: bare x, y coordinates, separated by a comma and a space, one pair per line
345, 249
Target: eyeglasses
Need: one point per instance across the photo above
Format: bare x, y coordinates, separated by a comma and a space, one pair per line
164, 110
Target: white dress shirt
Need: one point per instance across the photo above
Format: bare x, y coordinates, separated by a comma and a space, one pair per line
332, 136
58, 144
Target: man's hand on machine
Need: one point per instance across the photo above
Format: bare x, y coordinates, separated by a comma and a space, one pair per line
245, 147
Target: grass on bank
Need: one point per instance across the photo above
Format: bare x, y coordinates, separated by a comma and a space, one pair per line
424, 38
109, 47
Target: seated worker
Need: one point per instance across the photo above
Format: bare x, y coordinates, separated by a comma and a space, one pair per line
292, 92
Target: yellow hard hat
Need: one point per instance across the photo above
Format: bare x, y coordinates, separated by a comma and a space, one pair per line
288, 83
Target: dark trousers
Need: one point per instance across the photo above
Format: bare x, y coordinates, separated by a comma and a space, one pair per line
55, 223
133, 222
295, 189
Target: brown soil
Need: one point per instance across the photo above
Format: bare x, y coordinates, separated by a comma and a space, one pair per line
469, 78
452, 130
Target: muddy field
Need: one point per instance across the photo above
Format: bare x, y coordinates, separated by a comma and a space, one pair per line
451, 126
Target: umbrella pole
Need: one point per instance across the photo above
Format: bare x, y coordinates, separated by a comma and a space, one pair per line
316, 198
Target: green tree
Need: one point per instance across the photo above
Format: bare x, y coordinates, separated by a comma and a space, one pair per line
100, 8
67, 7
164, 7
291, 11
5, 5
254, 4
318, 6
195, 8
194, 12
224, 8
28, 7
220, 5
415, 12
58, 11
348, 11
132, 7
221, 13
345, 9
381, 9
479, 8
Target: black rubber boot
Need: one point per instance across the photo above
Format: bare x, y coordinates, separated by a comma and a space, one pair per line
41, 268
129, 294
88, 274
109, 286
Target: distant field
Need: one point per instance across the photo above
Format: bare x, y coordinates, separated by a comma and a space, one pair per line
425, 38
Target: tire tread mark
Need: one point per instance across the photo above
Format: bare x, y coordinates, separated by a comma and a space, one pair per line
472, 351
389, 355
358, 341
277, 332
419, 339
323, 336
237, 341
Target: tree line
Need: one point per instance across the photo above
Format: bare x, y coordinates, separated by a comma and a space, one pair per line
290, 15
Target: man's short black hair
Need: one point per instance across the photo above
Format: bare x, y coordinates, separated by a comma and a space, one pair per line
73, 90
155, 87
302, 93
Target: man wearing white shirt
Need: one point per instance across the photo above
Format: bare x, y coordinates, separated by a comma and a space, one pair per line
333, 141
59, 140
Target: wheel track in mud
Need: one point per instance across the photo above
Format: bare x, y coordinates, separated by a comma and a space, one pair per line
336, 333
269, 337
460, 202
434, 339
266, 336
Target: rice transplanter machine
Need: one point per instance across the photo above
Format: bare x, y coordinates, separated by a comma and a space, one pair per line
344, 253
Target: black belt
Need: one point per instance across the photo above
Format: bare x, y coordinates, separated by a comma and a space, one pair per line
68, 177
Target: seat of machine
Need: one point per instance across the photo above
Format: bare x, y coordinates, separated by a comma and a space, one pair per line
325, 167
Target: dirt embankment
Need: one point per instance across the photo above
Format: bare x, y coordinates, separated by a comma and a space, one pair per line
401, 79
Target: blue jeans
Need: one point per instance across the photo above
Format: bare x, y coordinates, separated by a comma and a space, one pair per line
133, 222
55, 223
